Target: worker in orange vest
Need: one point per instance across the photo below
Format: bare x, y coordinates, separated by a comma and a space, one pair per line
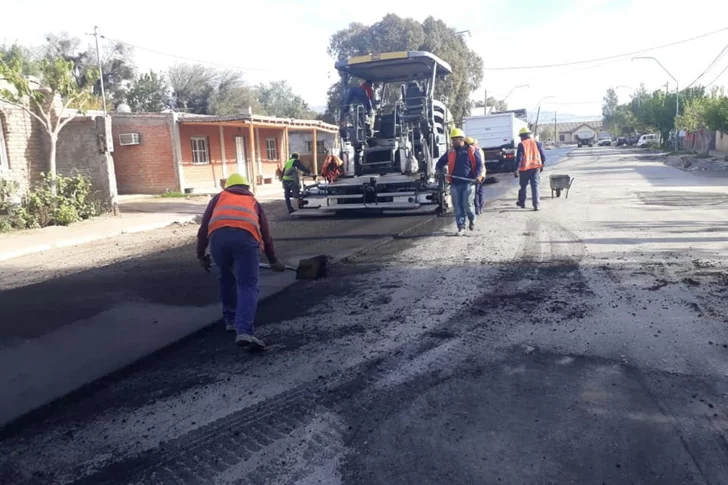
530, 159
464, 170
236, 229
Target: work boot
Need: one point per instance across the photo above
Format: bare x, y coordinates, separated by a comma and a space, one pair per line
230, 327
535, 209
461, 231
471, 226
522, 206
250, 341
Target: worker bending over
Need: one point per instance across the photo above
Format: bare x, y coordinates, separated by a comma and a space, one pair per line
291, 184
530, 159
464, 169
236, 229
480, 186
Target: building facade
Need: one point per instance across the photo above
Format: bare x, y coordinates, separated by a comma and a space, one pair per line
158, 152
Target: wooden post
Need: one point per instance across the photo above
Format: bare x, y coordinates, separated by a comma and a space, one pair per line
287, 144
223, 159
315, 154
252, 166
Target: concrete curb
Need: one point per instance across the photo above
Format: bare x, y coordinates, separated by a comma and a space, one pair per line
63, 243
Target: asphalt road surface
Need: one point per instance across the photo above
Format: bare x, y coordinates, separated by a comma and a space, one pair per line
585, 343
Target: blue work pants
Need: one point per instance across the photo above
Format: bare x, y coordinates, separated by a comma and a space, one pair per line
533, 177
236, 253
463, 201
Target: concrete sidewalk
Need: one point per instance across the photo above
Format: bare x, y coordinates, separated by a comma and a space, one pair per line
139, 213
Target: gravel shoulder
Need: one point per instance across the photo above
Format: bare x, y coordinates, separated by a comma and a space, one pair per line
586, 343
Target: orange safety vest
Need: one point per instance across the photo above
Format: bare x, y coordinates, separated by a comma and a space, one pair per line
452, 155
235, 210
531, 156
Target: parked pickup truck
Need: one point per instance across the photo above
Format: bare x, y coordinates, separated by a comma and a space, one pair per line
497, 135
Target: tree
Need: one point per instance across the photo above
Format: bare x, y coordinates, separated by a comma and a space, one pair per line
58, 80
278, 99
116, 63
495, 105
610, 102
192, 87
233, 95
545, 132
703, 115
394, 33
28, 62
149, 93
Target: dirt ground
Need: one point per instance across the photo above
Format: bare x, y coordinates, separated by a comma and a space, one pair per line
586, 343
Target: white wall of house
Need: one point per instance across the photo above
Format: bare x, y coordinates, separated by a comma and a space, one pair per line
721, 141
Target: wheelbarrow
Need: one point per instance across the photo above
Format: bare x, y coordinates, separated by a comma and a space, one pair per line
559, 183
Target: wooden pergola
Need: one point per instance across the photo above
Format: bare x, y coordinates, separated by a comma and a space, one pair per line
250, 123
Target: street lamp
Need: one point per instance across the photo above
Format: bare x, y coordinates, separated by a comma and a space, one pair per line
511, 91
485, 105
677, 93
462, 32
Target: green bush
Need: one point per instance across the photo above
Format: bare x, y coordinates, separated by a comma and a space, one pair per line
73, 201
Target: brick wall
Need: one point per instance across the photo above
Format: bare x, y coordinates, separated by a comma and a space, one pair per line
147, 168
25, 144
80, 150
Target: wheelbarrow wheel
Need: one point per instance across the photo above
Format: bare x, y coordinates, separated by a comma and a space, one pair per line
558, 192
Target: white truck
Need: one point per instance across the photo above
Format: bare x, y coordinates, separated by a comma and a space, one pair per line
497, 135
585, 137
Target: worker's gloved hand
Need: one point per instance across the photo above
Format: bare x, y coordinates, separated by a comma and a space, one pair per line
541, 170
515, 174
278, 266
481, 179
206, 262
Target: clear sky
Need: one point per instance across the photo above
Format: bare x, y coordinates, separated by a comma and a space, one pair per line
285, 39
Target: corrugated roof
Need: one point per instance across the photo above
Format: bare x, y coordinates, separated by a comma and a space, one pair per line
186, 117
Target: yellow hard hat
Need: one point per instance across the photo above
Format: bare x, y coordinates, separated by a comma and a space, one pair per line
236, 179
470, 140
524, 131
457, 133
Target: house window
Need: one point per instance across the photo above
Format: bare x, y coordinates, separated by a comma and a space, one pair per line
562, 137
200, 150
3, 148
271, 148
320, 147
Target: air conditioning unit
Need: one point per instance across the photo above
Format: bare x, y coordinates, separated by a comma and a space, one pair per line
129, 139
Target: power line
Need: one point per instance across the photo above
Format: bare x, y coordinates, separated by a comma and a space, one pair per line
188, 59
717, 77
710, 66
626, 54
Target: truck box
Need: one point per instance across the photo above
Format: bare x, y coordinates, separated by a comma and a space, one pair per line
497, 135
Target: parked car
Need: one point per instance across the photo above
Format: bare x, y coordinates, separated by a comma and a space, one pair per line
622, 141
646, 140
632, 140
606, 142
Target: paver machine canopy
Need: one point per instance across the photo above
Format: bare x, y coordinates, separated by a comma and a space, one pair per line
389, 120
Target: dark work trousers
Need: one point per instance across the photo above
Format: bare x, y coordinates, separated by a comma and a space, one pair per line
532, 177
290, 187
479, 198
236, 253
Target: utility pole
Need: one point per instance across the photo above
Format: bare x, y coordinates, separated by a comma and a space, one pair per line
485, 105
101, 72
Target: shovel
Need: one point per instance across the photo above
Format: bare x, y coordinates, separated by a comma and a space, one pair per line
308, 269
488, 181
